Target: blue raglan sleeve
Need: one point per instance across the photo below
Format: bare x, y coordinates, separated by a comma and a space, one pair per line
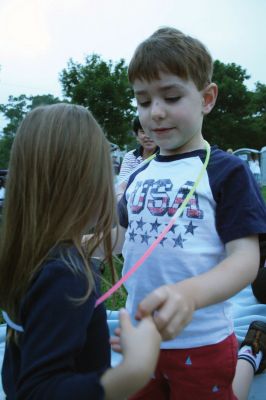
54, 345
241, 210
122, 211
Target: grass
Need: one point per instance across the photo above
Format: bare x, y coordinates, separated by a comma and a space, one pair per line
118, 299
263, 192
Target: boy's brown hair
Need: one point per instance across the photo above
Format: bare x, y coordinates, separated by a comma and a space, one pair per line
171, 51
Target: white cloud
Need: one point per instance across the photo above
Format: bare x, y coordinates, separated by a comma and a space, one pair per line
23, 29
39, 36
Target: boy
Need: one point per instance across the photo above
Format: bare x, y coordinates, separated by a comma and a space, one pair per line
211, 252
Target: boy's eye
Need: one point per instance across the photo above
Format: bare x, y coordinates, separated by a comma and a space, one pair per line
172, 99
143, 103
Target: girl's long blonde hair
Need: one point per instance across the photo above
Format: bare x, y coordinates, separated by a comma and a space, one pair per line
59, 186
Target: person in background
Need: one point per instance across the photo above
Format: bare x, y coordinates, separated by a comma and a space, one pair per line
3, 174
2, 191
116, 164
2, 188
252, 353
60, 185
133, 158
254, 166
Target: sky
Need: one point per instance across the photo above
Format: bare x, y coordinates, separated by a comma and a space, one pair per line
38, 37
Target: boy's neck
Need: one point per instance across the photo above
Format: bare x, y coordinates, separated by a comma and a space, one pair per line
186, 148
147, 153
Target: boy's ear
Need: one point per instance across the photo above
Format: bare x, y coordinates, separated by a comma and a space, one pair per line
209, 96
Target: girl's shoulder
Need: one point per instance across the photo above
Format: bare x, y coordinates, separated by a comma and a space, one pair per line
61, 283
60, 261
63, 272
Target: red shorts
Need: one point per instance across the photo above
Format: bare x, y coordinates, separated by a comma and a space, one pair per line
200, 373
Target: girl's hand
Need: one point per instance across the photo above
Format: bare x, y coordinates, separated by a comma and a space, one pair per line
139, 344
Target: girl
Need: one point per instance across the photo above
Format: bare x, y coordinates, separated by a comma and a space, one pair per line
59, 187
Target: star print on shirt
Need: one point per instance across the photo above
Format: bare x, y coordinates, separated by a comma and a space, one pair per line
154, 226
130, 223
145, 238
179, 241
140, 224
162, 241
172, 229
132, 235
190, 228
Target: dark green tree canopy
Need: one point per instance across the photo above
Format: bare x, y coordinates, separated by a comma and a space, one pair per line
103, 88
237, 118
14, 111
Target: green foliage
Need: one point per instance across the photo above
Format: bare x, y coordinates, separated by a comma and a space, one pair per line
5, 147
14, 111
258, 104
118, 299
44, 99
263, 192
102, 87
237, 119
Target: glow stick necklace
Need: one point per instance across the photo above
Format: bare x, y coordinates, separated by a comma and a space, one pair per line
179, 211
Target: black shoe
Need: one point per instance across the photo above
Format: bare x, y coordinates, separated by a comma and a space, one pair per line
256, 339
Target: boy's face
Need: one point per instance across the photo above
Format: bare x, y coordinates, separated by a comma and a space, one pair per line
171, 112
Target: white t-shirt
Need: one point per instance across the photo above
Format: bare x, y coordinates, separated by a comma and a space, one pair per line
227, 205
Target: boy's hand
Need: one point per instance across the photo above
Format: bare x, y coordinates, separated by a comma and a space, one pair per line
172, 309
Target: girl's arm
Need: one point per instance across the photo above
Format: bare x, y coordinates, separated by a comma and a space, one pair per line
140, 347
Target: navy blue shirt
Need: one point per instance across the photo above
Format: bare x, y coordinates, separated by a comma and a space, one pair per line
64, 348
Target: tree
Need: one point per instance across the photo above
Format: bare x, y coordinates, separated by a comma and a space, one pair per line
225, 124
103, 88
259, 115
14, 111
237, 118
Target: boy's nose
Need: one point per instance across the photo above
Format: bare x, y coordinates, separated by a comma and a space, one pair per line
157, 110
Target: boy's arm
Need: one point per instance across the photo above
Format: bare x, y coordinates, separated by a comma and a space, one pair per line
173, 305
